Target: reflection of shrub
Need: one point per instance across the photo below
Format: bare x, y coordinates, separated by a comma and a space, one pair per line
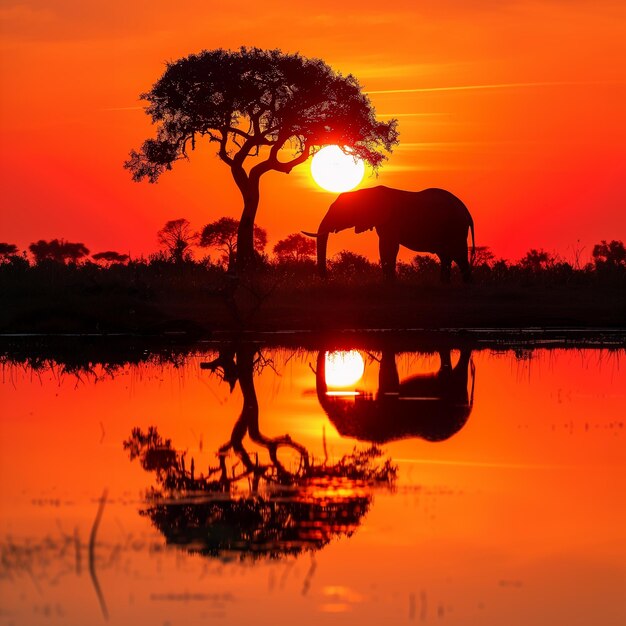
269, 526
155, 453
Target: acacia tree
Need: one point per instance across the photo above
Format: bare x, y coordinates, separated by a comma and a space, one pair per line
295, 248
58, 251
257, 103
222, 235
7, 250
483, 256
177, 237
109, 257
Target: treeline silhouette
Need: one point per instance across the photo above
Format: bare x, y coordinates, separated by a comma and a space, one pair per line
294, 256
192, 285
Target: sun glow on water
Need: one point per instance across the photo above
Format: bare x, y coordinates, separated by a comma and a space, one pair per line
344, 368
334, 170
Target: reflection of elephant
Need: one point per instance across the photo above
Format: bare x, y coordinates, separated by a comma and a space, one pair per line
432, 220
431, 406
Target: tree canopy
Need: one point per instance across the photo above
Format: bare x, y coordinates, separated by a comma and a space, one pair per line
7, 249
177, 237
268, 104
609, 255
58, 251
110, 256
295, 248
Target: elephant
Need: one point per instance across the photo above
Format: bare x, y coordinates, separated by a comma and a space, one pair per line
431, 406
432, 220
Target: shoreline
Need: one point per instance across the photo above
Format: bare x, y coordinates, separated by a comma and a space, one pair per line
408, 339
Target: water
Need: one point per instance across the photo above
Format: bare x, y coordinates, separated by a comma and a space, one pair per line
497, 495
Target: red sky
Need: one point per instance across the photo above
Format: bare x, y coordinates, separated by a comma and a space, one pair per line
516, 107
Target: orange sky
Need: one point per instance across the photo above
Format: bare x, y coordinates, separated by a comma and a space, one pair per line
516, 107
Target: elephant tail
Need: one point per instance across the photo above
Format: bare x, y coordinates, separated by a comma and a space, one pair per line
473, 251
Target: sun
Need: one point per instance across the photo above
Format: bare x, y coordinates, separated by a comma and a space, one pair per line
334, 170
344, 369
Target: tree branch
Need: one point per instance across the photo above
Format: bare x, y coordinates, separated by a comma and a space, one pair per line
272, 162
223, 154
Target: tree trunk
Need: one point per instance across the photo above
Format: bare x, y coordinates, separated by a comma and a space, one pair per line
245, 235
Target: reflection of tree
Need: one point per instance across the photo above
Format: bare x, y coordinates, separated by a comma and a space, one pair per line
285, 511
431, 406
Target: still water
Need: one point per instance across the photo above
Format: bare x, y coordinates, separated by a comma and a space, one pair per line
238, 484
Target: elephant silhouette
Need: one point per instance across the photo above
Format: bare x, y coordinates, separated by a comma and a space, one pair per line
432, 220
431, 406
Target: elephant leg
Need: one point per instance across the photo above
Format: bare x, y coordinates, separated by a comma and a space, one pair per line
446, 263
388, 254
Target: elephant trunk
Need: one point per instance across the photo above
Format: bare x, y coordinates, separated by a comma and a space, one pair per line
327, 225
322, 244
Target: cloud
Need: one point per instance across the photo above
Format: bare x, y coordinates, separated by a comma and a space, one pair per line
492, 86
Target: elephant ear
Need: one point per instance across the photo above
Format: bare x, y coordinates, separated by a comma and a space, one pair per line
364, 208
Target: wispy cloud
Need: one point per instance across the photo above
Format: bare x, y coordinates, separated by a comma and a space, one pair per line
493, 86
412, 114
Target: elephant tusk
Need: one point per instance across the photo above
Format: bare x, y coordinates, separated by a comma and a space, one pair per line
314, 235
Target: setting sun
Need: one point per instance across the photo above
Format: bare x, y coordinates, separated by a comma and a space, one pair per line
344, 368
334, 170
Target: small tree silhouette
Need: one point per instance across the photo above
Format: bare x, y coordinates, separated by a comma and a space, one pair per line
537, 260
222, 235
177, 238
7, 250
257, 103
610, 255
57, 251
483, 256
109, 257
295, 248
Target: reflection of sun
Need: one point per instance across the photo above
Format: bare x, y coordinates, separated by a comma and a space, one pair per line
334, 170
344, 368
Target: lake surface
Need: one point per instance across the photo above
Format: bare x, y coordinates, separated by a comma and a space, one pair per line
494, 495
